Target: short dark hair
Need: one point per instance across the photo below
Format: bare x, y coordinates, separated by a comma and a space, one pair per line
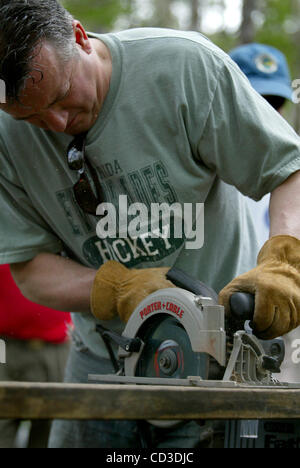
24, 25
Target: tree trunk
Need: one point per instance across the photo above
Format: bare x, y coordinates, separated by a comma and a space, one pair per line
247, 31
163, 16
195, 15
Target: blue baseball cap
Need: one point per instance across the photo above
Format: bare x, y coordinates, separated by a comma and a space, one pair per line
266, 68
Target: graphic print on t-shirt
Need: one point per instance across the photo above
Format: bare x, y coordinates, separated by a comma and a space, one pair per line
149, 185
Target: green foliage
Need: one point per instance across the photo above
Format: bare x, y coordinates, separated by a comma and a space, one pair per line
277, 24
280, 30
98, 15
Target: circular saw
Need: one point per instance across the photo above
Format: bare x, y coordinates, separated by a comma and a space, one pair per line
179, 336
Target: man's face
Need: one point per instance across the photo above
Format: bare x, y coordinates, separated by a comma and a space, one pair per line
63, 99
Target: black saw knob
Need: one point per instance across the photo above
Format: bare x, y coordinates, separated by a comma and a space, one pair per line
242, 307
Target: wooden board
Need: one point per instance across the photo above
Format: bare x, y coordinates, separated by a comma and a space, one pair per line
98, 401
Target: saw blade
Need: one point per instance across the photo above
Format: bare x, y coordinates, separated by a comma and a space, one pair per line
168, 352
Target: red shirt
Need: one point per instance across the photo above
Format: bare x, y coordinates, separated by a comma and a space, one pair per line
22, 319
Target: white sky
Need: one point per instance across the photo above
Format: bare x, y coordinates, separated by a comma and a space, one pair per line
213, 20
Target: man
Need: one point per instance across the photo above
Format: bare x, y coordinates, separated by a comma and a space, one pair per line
170, 119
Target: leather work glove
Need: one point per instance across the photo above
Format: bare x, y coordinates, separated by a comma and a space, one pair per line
275, 282
118, 290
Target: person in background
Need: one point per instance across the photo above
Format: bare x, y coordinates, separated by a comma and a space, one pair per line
37, 348
268, 72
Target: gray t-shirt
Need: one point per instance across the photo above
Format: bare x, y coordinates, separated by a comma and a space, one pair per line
181, 124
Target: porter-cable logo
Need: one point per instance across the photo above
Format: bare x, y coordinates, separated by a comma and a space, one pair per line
2, 92
164, 221
2, 352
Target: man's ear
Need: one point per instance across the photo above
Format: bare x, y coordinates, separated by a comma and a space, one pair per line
81, 37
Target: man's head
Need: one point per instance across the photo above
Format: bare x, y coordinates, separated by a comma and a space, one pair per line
25, 25
49, 66
267, 70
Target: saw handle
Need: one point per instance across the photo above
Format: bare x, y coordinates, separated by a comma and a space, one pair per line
242, 307
184, 281
241, 304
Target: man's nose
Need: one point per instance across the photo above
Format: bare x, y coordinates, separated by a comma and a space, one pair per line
56, 120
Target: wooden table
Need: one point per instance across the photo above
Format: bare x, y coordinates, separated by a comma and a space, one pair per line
106, 401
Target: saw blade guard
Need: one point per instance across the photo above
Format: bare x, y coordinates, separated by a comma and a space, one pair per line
200, 318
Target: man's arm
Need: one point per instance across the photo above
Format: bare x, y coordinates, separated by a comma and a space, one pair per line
55, 282
63, 284
285, 208
275, 281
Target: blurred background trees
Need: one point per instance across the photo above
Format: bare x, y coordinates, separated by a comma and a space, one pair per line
228, 23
